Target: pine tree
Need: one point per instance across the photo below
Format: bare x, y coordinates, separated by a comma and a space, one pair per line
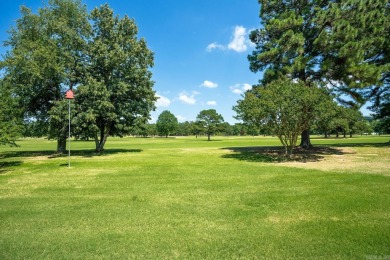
317, 41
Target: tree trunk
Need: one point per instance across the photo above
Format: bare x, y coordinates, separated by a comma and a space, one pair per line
305, 140
103, 138
96, 141
102, 142
208, 137
61, 145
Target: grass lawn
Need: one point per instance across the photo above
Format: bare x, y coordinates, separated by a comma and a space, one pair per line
159, 198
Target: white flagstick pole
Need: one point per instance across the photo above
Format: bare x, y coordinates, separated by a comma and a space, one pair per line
69, 96
69, 134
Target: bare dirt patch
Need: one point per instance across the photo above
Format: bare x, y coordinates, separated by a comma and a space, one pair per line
374, 160
370, 159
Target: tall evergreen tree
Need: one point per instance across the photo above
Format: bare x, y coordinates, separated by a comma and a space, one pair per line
323, 41
210, 121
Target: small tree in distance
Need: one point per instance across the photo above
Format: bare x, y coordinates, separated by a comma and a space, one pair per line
166, 123
210, 120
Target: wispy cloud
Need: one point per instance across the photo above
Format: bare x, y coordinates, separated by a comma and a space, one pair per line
215, 45
237, 91
211, 103
239, 41
187, 99
240, 88
162, 101
209, 84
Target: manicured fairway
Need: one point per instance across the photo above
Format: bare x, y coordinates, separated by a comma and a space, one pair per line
183, 198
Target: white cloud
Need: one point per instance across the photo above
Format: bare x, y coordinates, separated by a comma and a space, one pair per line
246, 86
188, 99
162, 101
237, 91
211, 103
180, 118
240, 88
215, 45
239, 41
209, 84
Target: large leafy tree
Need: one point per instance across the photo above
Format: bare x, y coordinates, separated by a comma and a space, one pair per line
166, 123
283, 108
118, 94
210, 121
46, 58
332, 42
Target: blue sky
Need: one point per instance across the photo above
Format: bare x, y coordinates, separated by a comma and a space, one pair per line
200, 47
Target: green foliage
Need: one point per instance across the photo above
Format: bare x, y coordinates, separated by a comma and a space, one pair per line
10, 116
108, 67
33, 128
226, 129
184, 128
381, 126
381, 105
210, 121
144, 130
362, 127
321, 40
325, 120
166, 123
93, 109
344, 44
282, 108
46, 57
59, 122
118, 95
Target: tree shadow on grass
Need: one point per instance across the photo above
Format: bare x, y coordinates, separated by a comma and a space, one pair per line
4, 166
91, 153
51, 154
276, 154
387, 144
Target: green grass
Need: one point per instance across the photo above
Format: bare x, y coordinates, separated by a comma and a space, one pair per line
186, 198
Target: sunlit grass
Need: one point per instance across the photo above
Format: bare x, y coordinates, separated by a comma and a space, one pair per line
188, 198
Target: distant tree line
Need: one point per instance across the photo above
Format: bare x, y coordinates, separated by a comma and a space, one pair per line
343, 123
